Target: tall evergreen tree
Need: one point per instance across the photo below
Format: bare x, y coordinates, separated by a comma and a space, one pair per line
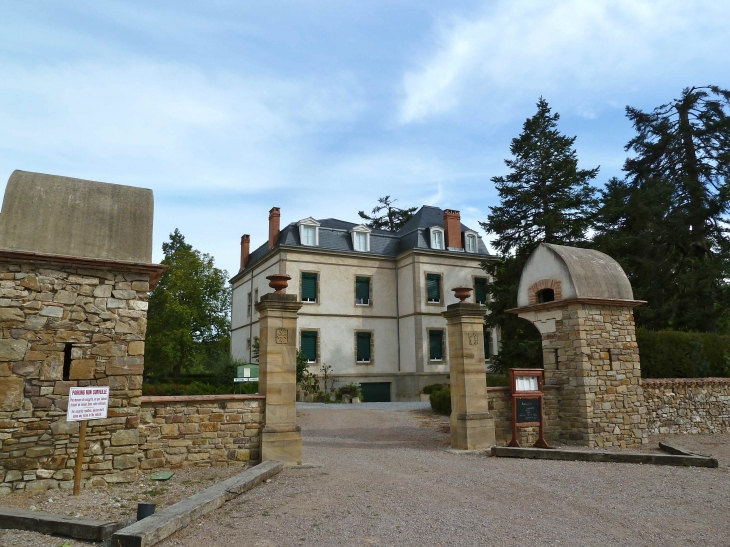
392, 219
544, 198
188, 320
665, 221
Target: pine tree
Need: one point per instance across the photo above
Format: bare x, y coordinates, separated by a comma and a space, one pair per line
544, 198
392, 220
665, 222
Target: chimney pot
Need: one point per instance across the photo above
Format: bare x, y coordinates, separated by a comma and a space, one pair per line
274, 225
452, 227
245, 245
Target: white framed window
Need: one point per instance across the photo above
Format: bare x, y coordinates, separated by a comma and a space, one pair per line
309, 232
437, 238
361, 238
470, 242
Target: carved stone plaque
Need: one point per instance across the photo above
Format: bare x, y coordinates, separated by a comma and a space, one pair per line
473, 338
282, 336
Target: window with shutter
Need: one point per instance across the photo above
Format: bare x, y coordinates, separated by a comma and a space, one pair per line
309, 287
363, 347
480, 290
433, 288
436, 345
362, 291
309, 345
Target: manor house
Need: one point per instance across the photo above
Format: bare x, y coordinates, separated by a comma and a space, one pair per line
372, 298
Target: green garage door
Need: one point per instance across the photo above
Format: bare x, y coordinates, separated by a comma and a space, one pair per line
376, 392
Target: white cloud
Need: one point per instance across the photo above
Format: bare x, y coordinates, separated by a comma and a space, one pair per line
578, 47
166, 125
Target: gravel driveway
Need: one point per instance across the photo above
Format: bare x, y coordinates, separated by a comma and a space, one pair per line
385, 479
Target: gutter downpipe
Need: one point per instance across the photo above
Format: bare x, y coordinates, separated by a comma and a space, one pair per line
397, 310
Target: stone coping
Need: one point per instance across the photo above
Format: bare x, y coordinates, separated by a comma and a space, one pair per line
564, 303
155, 271
663, 382
199, 398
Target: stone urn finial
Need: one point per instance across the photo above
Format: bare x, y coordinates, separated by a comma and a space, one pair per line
462, 293
278, 282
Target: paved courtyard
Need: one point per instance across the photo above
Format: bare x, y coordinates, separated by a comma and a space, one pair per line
383, 477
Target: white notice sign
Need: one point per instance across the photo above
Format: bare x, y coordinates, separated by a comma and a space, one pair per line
526, 383
87, 403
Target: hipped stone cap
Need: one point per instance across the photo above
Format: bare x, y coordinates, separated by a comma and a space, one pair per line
66, 216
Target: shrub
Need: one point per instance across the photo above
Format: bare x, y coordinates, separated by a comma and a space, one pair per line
674, 354
432, 388
441, 401
496, 380
196, 388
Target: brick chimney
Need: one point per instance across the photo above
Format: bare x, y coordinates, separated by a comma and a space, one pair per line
274, 223
452, 226
245, 244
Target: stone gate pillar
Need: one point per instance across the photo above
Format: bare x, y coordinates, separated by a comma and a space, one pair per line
472, 427
281, 438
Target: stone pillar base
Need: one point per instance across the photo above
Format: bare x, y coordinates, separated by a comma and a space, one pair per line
472, 431
282, 444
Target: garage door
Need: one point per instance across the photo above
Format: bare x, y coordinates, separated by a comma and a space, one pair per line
376, 392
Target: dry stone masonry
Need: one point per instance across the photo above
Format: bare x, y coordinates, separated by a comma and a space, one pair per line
62, 326
200, 431
682, 405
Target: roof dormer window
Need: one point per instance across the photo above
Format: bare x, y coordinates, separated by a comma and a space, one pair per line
437, 238
361, 238
470, 242
309, 232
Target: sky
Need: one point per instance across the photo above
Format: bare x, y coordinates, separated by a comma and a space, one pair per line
228, 108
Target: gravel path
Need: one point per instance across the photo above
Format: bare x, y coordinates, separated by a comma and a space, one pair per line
385, 479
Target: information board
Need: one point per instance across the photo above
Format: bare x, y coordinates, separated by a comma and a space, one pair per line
87, 403
528, 410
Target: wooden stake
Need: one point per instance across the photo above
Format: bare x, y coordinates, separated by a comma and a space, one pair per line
79, 457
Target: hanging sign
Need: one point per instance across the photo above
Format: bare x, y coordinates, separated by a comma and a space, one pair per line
87, 403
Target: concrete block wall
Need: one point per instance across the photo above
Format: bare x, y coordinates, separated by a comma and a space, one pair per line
204, 430
98, 318
685, 405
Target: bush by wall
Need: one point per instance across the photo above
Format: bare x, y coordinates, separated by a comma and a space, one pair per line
441, 401
674, 354
198, 388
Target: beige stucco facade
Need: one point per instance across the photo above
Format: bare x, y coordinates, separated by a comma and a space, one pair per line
399, 316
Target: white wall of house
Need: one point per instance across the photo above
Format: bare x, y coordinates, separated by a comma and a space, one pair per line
399, 311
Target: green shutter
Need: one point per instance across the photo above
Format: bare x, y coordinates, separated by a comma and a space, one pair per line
363, 346
309, 287
433, 287
487, 342
362, 290
436, 345
480, 290
309, 345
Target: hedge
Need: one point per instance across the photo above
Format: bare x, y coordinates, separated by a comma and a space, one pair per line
674, 354
441, 401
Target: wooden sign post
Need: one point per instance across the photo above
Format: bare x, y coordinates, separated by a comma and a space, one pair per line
85, 403
527, 403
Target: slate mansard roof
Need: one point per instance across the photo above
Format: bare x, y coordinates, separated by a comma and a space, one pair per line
334, 235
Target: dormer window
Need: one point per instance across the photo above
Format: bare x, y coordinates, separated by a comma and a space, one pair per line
361, 238
470, 242
309, 232
437, 238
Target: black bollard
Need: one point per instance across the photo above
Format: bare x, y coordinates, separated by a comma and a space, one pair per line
144, 510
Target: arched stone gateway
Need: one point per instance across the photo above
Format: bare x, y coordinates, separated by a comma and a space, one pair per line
582, 303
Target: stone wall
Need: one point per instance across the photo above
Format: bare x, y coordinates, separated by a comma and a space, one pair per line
204, 430
591, 356
681, 405
64, 325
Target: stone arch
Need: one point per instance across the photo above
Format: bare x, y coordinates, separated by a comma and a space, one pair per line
591, 358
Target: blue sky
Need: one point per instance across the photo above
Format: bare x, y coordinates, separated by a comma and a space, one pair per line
226, 109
